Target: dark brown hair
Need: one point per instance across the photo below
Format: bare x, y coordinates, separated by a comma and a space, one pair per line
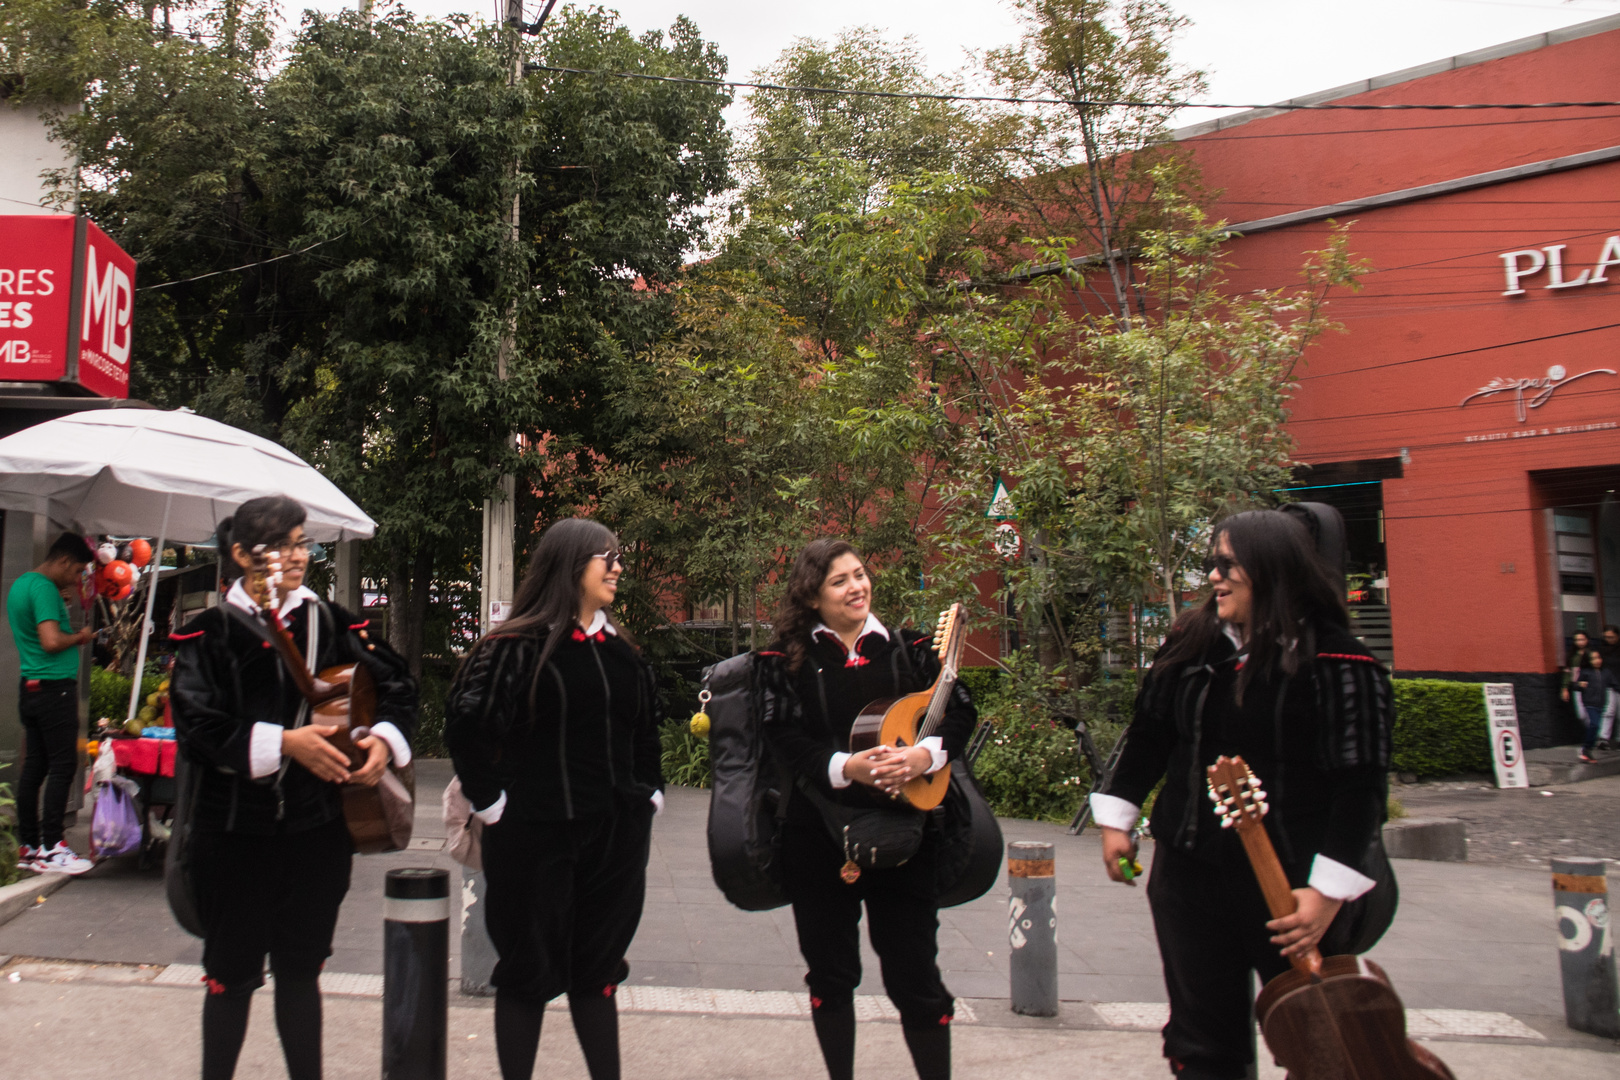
1293, 592
268, 519
797, 614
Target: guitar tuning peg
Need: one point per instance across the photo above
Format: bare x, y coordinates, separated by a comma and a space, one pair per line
1259, 795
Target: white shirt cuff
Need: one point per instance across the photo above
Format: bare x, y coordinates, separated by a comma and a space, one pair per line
835, 771
490, 814
1112, 812
935, 745
1337, 881
658, 803
397, 746
264, 749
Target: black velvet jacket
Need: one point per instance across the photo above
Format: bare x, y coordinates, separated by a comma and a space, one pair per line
563, 742
1319, 742
807, 716
228, 677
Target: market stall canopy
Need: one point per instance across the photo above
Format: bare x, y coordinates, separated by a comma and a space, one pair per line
123, 471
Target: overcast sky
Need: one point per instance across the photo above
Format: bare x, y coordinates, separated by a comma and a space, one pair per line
1254, 51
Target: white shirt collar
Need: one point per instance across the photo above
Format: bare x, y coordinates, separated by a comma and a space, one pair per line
1233, 636
873, 626
599, 623
238, 595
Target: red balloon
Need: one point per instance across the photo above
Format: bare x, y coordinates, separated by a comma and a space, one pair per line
123, 594
115, 580
140, 552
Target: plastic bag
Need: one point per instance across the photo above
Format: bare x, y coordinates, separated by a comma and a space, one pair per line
115, 828
463, 832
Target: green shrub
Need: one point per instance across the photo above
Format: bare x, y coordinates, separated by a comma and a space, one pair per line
8, 836
983, 683
428, 741
685, 758
1030, 767
109, 692
1440, 728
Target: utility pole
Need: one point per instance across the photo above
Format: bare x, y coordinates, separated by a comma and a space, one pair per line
498, 576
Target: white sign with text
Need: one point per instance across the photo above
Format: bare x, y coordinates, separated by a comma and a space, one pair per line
1507, 749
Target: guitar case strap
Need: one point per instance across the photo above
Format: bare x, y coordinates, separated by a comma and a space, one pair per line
313, 641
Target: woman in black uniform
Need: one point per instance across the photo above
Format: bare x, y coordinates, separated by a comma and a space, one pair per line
830, 659
271, 850
552, 722
1268, 669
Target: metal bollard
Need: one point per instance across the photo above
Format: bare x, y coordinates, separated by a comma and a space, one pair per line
416, 973
1032, 928
1586, 951
477, 951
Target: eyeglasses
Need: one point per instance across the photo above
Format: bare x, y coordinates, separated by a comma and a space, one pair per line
1224, 563
611, 556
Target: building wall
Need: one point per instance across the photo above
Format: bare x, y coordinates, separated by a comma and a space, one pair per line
29, 152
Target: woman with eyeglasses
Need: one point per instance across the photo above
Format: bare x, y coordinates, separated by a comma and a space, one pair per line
271, 850
552, 722
1266, 668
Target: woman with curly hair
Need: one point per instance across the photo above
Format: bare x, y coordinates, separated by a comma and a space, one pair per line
831, 657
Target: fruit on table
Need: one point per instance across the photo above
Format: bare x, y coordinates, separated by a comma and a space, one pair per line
163, 687
154, 699
133, 727
147, 715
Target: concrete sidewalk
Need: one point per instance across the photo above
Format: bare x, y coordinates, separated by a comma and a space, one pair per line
1468, 937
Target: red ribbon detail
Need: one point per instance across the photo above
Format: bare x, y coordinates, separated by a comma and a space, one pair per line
856, 661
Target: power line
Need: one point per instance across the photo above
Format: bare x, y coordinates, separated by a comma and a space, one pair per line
244, 266
913, 95
1463, 352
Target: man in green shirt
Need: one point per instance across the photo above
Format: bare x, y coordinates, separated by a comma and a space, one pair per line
48, 703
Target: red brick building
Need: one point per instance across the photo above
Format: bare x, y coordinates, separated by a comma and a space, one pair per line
1468, 421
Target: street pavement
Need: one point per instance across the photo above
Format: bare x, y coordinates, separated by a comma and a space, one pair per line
1479, 938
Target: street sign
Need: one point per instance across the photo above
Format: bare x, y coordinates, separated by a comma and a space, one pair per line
1008, 542
1507, 748
1001, 504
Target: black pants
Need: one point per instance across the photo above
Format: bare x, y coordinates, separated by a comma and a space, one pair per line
269, 895
564, 900
902, 920
50, 721
1211, 923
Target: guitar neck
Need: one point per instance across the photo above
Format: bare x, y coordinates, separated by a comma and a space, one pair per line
1280, 899
941, 698
293, 660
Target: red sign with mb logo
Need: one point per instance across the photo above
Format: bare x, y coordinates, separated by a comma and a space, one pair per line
67, 304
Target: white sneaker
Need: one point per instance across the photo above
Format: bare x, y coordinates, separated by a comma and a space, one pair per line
61, 860
27, 857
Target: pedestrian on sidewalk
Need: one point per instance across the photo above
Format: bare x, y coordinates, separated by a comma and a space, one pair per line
1268, 669
831, 658
1610, 647
1573, 660
48, 703
552, 722
270, 848
1599, 690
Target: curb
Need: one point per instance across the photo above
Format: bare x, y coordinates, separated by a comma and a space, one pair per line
1549, 773
1435, 839
18, 898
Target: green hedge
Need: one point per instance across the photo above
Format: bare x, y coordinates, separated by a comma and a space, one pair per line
981, 682
1440, 728
109, 692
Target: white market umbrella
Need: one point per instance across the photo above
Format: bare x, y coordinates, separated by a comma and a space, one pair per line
173, 475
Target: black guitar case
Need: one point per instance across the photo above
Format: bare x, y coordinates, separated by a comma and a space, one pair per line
971, 853
746, 798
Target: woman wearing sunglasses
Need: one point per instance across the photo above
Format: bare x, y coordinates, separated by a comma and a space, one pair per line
271, 851
1266, 668
552, 722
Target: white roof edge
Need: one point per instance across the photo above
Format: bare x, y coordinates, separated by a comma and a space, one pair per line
1435, 67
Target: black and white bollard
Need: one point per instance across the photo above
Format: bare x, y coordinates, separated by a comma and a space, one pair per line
1032, 928
1586, 949
416, 973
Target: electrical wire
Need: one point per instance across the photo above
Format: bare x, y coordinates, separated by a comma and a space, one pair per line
915, 95
244, 266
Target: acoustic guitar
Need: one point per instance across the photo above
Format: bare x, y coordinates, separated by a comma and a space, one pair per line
380, 817
1337, 1018
906, 721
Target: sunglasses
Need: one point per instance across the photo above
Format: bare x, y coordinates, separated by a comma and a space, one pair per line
610, 557
1224, 563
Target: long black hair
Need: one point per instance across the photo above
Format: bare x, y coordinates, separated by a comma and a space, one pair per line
796, 616
268, 519
547, 601
1293, 593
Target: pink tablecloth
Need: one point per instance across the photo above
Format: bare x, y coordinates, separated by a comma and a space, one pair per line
151, 757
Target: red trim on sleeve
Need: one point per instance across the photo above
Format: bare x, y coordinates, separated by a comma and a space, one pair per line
771, 652
187, 637
1347, 656
360, 625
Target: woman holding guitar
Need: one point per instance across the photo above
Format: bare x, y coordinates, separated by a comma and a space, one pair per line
1267, 669
553, 724
271, 850
832, 656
